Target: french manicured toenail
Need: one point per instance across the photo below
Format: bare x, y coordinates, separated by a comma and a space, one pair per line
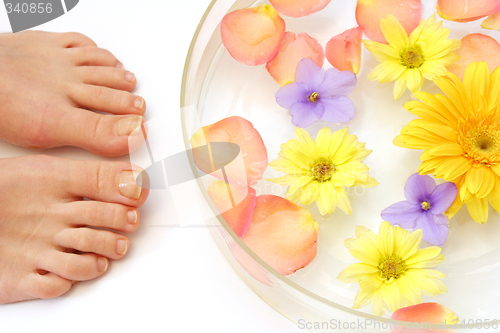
129, 77
132, 216
102, 264
121, 247
139, 103
129, 186
127, 125
119, 65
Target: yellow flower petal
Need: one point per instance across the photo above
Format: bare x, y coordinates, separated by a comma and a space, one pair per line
478, 209
429, 256
394, 32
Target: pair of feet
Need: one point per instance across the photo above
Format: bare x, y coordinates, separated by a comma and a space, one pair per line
50, 237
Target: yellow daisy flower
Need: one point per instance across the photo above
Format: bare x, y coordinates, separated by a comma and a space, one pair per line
410, 59
393, 272
319, 171
460, 136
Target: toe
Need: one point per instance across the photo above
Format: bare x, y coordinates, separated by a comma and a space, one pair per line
111, 77
75, 39
71, 266
106, 99
101, 242
113, 182
100, 214
104, 135
44, 286
92, 56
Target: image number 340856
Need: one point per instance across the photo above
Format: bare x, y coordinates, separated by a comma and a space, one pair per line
24, 14
25, 7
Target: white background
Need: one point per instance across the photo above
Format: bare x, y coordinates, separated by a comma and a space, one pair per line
173, 279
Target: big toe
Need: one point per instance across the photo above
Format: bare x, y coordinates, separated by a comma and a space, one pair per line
105, 135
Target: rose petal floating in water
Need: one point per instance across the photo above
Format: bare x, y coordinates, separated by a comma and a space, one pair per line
253, 35
476, 47
369, 13
235, 203
344, 51
282, 234
492, 22
433, 313
299, 8
466, 10
293, 49
251, 162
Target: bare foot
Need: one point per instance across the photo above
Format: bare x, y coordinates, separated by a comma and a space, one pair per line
49, 236
47, 83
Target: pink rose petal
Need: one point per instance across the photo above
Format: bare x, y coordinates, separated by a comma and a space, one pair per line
432, 313
299, 8
253, 35
235, 203
476, 47
344, 51
282, 234
369, 14
248, 167
466, 10
293, 49
492, 22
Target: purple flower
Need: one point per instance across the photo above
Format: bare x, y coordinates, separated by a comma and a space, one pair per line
423, 209
318, 94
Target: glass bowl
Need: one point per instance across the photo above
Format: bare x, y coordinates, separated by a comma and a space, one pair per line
216, 86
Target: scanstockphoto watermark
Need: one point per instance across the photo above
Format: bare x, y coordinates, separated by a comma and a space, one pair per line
369, 324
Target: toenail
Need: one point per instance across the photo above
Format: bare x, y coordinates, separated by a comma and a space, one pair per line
121, 247
132, 216
129, 77
119, 65
139, 103
129, 125
129, 186
102, 264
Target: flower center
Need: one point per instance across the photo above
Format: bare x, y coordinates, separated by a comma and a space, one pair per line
313, 97
392, 268
322, 170
426, 205
412, 57
480, 139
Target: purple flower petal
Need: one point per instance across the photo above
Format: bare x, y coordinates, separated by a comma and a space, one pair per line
337, 83
419, 188
290, 94
403, 214
337, 110
306, 113
442, 197
434, 228
306, 70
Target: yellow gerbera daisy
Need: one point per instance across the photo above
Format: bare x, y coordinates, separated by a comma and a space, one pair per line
393, 272
320, 170
410, 59
460, 136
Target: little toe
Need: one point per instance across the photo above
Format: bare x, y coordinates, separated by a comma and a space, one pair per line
111, 77
75, 39
92, 56
106, 99
44, 286
113, 182
100, 214
72, 266
105, 135
101, 242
